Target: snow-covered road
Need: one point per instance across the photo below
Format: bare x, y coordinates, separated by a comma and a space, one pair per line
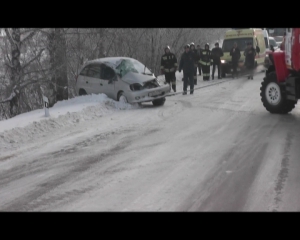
216, 150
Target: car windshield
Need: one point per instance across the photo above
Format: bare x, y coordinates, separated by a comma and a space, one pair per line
273, 42
241, 43
131, 65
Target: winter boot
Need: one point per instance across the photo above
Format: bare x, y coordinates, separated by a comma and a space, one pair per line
184, 93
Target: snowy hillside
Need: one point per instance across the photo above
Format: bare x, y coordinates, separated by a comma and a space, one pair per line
63, 114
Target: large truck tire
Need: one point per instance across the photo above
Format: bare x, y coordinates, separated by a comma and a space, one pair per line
273, 96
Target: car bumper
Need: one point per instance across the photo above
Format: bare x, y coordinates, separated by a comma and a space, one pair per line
148, 95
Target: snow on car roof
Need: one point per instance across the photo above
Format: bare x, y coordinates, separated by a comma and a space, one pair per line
111, 61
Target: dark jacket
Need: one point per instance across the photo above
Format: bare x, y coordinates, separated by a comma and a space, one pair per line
249, 57
195, 56
187, 62
205, 57
235, 55
168, 62
216, 54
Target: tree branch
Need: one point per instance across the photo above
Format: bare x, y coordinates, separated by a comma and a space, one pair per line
28, 37
38, 55
12, 95
10, 66
12, 42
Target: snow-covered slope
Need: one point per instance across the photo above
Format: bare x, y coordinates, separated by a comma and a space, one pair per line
24, 127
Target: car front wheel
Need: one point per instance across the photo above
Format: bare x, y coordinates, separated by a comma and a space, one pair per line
82, 92
122, 98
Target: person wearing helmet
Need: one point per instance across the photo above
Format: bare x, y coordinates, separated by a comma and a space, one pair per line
168, 66
205, 61
250, 54
216, 54
187, 65
195, 56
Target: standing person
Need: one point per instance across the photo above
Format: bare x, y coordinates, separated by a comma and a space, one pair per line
195, 55
198, 53
216, 54
187, 65
250, 54
168, 66
205, 61
235, 54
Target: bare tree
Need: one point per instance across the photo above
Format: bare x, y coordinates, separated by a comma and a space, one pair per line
16, 70
27, 71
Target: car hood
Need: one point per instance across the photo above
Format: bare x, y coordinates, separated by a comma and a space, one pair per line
132, 77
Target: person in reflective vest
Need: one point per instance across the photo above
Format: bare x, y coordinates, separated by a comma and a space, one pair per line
206, 62
168, 67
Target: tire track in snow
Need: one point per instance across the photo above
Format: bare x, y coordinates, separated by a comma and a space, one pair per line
283, 173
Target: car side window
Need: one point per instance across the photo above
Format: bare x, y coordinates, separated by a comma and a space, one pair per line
107, 73
94, 71
84, 71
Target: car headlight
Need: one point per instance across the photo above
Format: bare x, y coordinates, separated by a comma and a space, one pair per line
136, 87
223, 61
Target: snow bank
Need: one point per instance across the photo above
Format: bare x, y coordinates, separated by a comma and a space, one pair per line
27, 126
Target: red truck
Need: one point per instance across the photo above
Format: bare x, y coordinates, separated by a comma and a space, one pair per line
280, 89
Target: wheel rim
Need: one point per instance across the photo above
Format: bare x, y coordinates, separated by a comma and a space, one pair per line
273, 93
123, 99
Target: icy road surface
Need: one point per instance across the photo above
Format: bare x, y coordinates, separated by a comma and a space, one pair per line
216, 150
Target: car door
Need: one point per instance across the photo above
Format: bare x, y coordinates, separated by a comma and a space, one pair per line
108, 78
82, 81
93, 79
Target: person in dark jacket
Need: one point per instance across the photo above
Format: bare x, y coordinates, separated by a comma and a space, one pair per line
194, 51
168, 66
198, 53
187, 65
235, 54
216, 54
205, 61
250, 54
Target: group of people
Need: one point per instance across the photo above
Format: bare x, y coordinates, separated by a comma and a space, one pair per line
190, 60
202, 59
250, 53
